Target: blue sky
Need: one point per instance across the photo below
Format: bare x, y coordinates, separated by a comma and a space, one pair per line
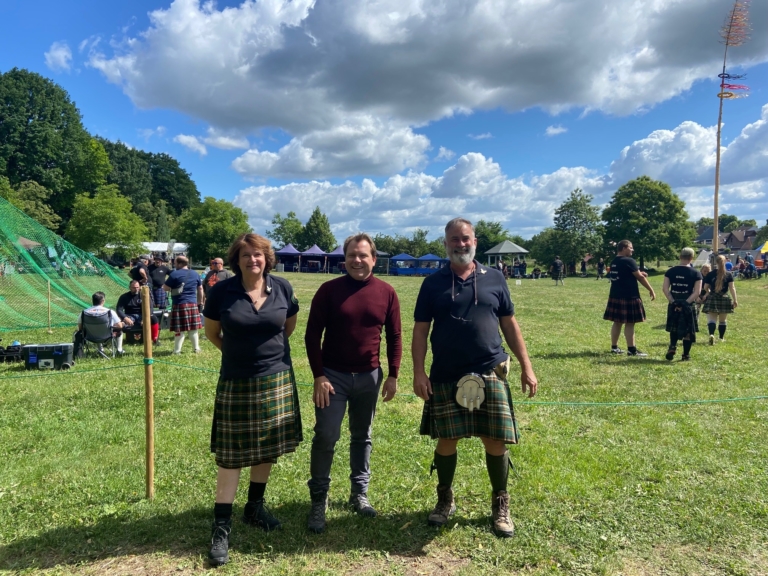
397, 114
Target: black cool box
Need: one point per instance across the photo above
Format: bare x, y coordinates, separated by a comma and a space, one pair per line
48, 356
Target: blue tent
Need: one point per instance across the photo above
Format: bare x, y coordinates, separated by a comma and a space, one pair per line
288, 250
402, 257
432, 258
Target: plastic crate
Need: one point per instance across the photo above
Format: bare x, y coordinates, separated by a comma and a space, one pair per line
48, 356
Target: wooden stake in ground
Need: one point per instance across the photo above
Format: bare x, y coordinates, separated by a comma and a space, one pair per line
146, 327
735, 32
49, 308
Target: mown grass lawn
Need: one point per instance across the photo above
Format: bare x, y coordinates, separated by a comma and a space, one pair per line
651, 489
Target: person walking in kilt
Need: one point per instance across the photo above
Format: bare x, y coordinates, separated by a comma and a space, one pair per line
682, 287
466, 393
625, 308
186, 290
256, 417
158, 274
720, 299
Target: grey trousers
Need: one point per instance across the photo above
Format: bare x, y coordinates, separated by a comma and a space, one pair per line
360, 391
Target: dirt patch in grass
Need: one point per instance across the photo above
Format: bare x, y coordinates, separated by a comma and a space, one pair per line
692, 560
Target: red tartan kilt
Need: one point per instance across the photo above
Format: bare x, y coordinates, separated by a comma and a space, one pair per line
185, 317
625, 310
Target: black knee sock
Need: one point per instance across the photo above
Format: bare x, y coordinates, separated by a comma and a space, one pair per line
256, 491
672, 340
222, 512
687, 347
721, 330
711, 327
498, 470
446, 468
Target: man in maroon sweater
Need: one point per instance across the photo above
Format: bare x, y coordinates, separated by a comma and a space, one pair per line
351, 310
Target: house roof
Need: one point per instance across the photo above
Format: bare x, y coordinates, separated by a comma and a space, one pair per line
704, 233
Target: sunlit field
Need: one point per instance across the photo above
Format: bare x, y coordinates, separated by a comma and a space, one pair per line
658, 485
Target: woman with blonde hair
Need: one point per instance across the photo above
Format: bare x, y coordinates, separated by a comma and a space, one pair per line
720, 299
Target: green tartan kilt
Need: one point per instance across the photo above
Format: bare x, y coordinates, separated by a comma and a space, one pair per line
255, 420
442, 417
718, 304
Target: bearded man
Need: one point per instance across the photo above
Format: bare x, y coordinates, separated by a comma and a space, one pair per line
466, 393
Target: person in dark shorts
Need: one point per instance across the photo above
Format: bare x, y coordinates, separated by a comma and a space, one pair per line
348, 314
720, 299
625, 308
600, 268
682, 287
557, 270
256, 417
466, 393
186, 290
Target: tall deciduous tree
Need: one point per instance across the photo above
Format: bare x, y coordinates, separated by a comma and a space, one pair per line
544, 246
42, 139
106, 220
210, 228
489, 234
318, 231
163, 233
170, 182
651, 216
577, 223
286, 230
32, 199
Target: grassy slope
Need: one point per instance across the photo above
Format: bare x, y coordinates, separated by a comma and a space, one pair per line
603, 490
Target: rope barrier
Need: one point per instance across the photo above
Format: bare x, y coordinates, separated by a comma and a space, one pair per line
63, 372
148, 361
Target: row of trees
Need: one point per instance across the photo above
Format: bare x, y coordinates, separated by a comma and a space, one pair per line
725, 222
94, 192
290, 230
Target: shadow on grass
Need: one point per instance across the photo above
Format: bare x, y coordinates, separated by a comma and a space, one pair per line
187, 535
563, 355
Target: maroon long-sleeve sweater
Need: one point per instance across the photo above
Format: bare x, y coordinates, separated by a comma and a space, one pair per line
352, 314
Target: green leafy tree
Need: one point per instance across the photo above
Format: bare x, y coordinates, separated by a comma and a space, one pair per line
489, 234
130, 171
106, 220
318, 231
705, 222
170, 182
418, 245
286, 230
577, 222
32, 199
727, 222
210, 228
42, 138
163, 233
437, 247
651, 216
148, 215
762, 236
544, 246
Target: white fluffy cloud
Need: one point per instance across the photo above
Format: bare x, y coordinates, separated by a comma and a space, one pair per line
365, 145
476, 187
444, 154
59, 57
555, 130
315, 67
191, 143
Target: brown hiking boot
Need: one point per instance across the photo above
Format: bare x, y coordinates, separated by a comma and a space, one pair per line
444, 508
503, 527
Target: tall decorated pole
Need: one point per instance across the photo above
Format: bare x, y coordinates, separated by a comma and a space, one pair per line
734, 32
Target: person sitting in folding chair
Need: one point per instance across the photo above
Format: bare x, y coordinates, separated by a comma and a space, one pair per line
98, 325
129, 310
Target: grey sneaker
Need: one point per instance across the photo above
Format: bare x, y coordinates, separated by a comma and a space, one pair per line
257, 514
503, 527
360, 504
445, 507
637, 353
617, 350
316, 520
219, 553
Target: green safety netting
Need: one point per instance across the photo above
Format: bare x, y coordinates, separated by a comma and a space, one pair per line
31, 256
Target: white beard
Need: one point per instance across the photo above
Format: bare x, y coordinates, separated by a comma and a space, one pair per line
463, 258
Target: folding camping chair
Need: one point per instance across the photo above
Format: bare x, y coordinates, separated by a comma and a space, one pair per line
98, 332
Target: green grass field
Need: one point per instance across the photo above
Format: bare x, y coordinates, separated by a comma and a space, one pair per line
596, 489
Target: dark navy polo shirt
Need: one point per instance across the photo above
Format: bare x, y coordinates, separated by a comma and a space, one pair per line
254, 342
465, 337
191, 280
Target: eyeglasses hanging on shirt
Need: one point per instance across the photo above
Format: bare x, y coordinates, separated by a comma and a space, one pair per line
454, 294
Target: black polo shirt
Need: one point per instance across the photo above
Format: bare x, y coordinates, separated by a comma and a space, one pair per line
465, 337
254, 342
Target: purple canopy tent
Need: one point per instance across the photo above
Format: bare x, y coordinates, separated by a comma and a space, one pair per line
314, 251
290, 253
